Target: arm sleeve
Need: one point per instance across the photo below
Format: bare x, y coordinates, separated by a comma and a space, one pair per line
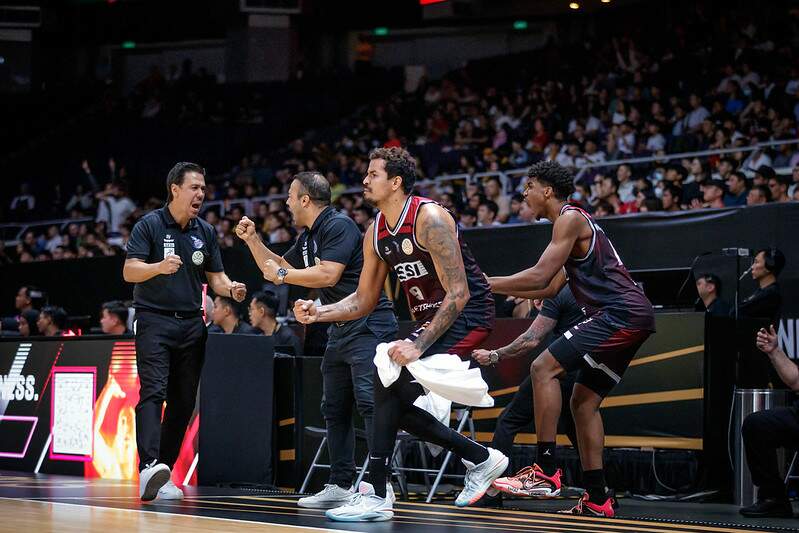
140, 242
214, 263
341, 238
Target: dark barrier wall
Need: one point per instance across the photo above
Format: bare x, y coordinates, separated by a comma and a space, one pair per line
645, 242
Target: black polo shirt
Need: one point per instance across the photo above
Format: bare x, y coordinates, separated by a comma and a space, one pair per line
242, 328
157, 235
333, 237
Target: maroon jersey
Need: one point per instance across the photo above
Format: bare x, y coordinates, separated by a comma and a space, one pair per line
417, 273
601, 284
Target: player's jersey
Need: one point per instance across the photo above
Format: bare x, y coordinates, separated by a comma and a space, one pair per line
417, 273
600, 282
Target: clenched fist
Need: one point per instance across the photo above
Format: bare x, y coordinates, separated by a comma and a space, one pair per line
238, 291
245, 229
305, 312
169, 265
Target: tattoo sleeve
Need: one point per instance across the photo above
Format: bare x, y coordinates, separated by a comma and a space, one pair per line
439, 237
345, 309
530, 339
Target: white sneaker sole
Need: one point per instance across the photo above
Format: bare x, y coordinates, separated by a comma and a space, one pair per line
372, 516
498, 469
543, 493
154, 484
170, 496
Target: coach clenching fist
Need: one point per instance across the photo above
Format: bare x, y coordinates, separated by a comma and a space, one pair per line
170, 251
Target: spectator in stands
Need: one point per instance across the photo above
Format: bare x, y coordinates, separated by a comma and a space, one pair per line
362, 215
492, 188
736, 189
487, 214
516, 202
697, 114
607, 192
468, 218
226, 318
671, 200
779, 189
27, 299
763, 174
263, 317
759, 194
23, 204
52, 321
27, 323
603, 209
626, 189
709, 288
114, 206
114, 318
713, 193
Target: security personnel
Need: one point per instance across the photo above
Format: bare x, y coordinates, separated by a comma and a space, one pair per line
168, 252
328, 256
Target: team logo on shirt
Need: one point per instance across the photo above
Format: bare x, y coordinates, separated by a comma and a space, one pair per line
406, 271
407, 247
317, 261
416, 291
169, 245
198, 243
197, 258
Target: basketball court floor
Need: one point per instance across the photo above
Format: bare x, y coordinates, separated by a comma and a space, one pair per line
65, 504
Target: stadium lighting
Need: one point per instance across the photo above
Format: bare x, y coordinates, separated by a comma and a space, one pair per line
605, 1
520, 25
574, 5
381, 31
128, 45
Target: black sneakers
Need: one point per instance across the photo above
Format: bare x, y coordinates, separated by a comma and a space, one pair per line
769, 507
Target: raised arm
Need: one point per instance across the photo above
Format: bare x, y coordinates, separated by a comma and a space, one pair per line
565, 232
358, 304
245, 230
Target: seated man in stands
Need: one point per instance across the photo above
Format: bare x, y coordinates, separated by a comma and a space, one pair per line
263, 313
765, 431
114, 318
226, 318
52, 321
26, 299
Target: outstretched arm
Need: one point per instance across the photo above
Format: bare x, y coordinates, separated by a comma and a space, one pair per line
565, 232
436, 231
523, 344
358, 304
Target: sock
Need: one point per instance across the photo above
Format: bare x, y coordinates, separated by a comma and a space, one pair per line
378, 473
545, 457
594, 481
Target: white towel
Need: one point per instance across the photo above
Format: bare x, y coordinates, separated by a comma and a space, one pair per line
444, 374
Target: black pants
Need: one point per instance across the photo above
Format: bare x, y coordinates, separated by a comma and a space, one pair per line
763, 432
347, 371
518, 414
169, 357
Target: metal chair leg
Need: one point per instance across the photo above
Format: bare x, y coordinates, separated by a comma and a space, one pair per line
461, 422
363, 471
790, 468
313, 465
403, 484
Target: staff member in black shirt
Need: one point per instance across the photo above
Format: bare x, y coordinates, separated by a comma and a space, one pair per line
263, 317
759, 310
328, 256
168, 252
227, 319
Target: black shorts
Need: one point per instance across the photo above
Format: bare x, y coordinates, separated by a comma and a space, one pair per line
599, 351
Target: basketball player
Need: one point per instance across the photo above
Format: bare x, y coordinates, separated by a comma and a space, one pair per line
620, 318
448, 295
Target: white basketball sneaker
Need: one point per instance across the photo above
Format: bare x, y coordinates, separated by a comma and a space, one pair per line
170, 491
151, 479
480, 477
327, 498
365, 506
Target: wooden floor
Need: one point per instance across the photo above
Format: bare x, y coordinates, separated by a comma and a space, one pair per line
67, 504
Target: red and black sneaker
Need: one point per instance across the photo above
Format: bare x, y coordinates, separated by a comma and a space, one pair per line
586, 507
530, 481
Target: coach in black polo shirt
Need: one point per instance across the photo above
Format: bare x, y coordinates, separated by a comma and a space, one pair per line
169, 251
328, 256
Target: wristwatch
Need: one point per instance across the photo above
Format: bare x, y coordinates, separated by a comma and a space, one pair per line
493, 357
281, 274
